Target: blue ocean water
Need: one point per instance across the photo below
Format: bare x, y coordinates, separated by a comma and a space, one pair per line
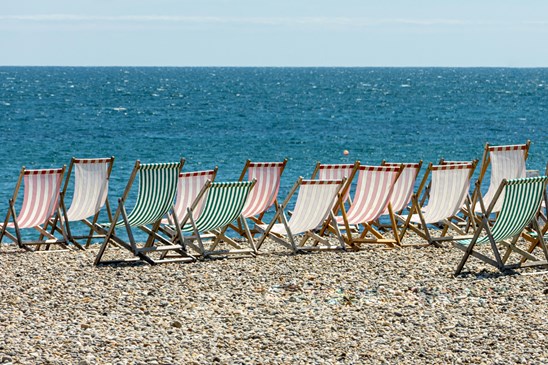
223, 116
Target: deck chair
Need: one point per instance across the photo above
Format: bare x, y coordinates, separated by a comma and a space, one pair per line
507, 162
91, 178
403, 190
216, 206
189, 185
337, 172
267, 176
521, 199
40, 203
314, 205
155, 199
371, 199
449, 187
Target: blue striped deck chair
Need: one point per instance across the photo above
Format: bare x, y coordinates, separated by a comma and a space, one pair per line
521, 200
155, 199
222, 204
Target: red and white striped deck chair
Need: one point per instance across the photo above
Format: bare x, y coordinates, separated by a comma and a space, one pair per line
404, 186
336, 172
372, 197
314, 205
267, 176
91, 178
507, 162
40, 203
448, 191
189, 185
264, 194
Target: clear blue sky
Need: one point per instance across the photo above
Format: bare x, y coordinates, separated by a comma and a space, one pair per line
274, 33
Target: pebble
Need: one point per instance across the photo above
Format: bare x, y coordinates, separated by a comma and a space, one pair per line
373, 306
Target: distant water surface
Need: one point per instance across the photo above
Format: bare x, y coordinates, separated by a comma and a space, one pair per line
223, 116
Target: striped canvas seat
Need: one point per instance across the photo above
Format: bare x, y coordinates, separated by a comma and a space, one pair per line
373, 192
155, 199
222, 204
314, 204
507, 162
447, 192
157, 190
450, 185
337, 172
403, 187
40, 203
189, 186
520, 203
267, 176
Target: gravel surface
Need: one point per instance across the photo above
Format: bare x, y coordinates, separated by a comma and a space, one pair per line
374, 306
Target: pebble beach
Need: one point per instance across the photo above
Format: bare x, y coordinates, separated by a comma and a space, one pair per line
375, 306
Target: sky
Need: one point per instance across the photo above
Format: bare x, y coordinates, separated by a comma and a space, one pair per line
446, 33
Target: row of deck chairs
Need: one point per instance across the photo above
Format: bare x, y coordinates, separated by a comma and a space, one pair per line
188, 216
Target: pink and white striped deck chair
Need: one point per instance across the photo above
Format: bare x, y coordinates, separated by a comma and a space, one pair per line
265, 192
91, 178
372, 197
404, 186
40, 203
448, 191
189, 186
507, 162
335, 172
314, 205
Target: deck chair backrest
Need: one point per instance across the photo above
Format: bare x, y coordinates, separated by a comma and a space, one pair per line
157, 189
189, 186
403, 188
263, 195
224, 202
41, 196
373, 192
314, 202
507, 162
448, 191
91, 177
521, 202
336, 172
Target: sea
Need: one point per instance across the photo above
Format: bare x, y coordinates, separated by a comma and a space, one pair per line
222, 116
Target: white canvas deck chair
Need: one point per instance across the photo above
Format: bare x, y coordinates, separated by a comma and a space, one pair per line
521, 200
449, 187
40, 203
507, 162
155, 199
337, 172
371, 199
265, 192
314, 206
91, 178
217, 206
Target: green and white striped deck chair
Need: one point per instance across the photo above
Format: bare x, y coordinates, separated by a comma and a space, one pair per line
223, 204
155, 199
521, 200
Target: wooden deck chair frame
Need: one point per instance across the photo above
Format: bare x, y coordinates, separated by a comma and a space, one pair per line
530, 235
35, 217
369, 225
144, 253
486, 162
253, 200
421, 229
529, 203
328, 216
217, 220
94, 217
